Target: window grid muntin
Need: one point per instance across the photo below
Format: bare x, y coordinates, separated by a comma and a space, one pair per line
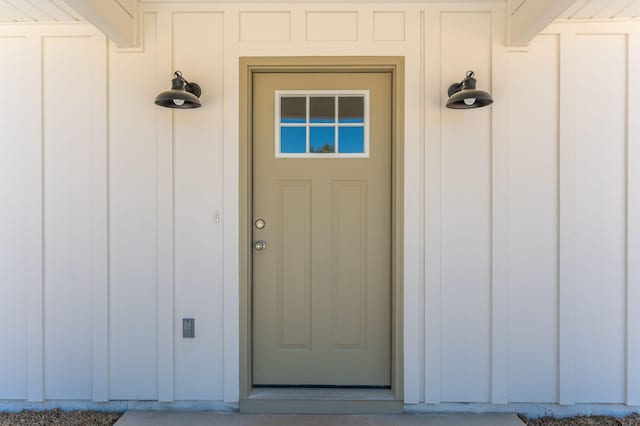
308, 94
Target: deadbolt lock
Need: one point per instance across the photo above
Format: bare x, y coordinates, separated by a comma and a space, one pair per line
260, 223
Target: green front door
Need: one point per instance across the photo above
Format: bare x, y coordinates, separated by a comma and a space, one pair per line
322, 229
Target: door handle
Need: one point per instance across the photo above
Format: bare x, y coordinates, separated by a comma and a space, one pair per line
260, 245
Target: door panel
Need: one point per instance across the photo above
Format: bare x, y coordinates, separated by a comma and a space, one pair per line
322, 285
293, 268
349, 254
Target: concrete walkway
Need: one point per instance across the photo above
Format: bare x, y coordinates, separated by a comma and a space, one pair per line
200, 418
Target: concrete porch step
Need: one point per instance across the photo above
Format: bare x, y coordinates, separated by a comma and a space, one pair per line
200, 418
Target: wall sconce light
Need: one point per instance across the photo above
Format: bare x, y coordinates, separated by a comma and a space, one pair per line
464, 95
183, 94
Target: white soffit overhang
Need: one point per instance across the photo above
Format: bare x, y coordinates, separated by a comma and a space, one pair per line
580, 10
12, 11
613, 10
527, 18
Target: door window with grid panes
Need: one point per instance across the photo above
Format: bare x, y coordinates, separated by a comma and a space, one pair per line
322, 124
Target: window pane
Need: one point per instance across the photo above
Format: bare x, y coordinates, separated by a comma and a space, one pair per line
293, 140
322, 140
351, 140
323, 110
293, 110
351, 109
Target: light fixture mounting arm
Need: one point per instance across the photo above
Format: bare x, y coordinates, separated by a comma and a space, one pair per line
469, 83
181, 83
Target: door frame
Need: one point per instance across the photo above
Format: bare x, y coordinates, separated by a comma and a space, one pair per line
249, 66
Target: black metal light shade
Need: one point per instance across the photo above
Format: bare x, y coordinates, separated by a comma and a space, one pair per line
464, 95
182, 95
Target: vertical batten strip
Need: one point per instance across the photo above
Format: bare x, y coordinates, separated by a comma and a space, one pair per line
633, 221
500, 216
165, 231
35, 226
423, 192
567, 261
413, 249
99, 219
365, 24
433, 219
231, 188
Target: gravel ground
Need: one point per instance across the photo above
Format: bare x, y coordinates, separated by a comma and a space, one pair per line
633, 420
58, 417
96, 418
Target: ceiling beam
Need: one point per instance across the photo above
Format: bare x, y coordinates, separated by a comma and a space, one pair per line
115, 18
530, 17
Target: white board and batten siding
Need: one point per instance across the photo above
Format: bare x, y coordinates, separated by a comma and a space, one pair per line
174, 212
572, 216
522, 219
53, 248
